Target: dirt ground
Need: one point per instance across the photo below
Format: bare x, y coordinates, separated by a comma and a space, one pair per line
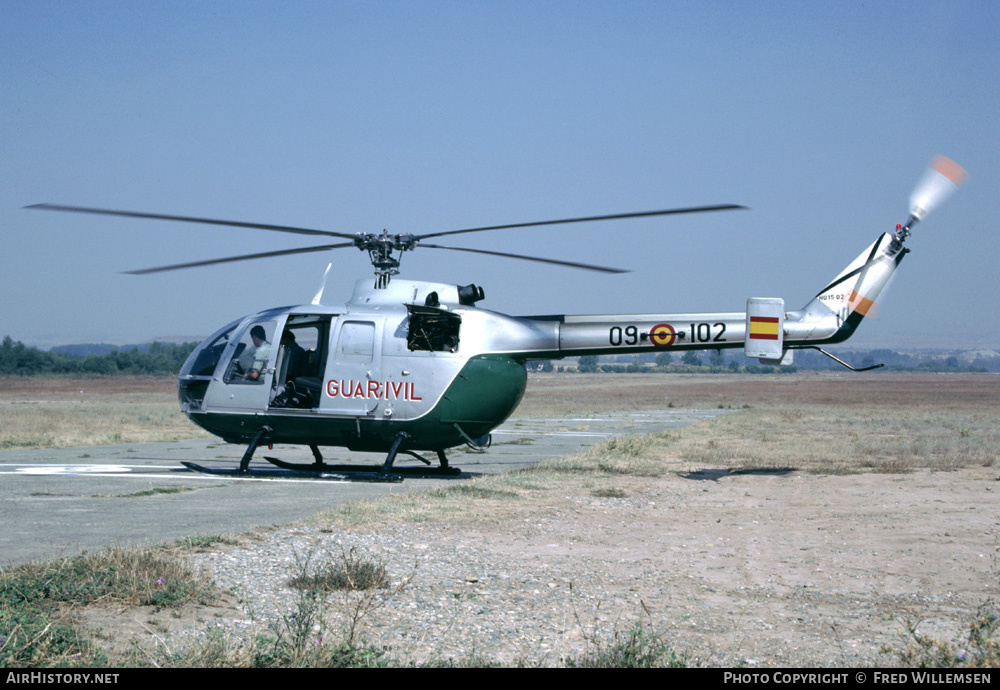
758, 568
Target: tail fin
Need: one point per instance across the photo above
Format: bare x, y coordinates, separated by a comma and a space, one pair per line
853, 294
835, 313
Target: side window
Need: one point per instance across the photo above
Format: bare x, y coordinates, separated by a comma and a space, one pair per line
357, 342
253, 354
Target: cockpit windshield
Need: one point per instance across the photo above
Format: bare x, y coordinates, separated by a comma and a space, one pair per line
205, 358
197, 372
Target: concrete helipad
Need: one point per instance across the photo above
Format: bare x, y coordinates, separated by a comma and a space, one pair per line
57, 502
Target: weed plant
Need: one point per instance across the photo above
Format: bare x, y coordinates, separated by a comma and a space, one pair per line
37, 625
979, 649
348, 572
637, 648
335, 595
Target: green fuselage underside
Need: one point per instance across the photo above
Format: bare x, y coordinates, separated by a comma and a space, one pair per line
485, 392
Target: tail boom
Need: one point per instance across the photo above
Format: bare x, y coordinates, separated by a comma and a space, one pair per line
830, 317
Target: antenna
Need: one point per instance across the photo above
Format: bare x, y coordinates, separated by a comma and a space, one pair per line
322, 285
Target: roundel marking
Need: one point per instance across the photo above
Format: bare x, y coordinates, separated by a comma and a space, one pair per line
662, 335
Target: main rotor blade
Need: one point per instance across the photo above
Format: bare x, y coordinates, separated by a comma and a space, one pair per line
189, 219
616, 216
589, 267
246, 257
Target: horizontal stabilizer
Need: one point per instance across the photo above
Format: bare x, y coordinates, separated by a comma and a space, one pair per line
786, 359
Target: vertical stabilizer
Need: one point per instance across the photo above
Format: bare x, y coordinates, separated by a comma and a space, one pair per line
855, 292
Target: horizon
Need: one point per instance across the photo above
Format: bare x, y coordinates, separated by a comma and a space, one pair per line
849, 345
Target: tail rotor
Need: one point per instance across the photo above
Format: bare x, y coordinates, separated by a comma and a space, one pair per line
939, 181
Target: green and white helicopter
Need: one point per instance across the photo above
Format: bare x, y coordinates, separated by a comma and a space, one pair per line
408, 367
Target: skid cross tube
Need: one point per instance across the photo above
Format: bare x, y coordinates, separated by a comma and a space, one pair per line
254, 442
393, 450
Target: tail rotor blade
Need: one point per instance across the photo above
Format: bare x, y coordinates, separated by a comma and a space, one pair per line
939, 181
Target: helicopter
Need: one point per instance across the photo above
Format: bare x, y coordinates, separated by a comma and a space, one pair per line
415, 367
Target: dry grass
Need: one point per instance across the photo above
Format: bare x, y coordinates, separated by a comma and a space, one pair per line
37, 412
845, 439
557, 394
40, 603
815, 422
818, 423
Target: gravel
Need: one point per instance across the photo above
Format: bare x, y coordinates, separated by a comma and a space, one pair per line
753, 570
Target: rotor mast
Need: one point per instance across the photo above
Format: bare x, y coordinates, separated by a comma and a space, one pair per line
380, 250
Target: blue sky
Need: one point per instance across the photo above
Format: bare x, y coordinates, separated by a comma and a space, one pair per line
429, 116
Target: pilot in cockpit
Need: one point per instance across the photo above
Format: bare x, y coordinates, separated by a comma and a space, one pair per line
254, 360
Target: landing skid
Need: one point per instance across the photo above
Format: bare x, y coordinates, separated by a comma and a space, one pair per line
366, 469
386, 472
307, 473
276, 473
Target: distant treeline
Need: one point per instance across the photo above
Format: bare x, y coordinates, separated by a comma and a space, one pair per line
162, 359
896, 361
157, 359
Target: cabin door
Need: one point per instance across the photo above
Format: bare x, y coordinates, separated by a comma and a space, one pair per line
353, 383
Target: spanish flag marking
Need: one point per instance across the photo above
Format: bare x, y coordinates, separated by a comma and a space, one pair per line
763, 328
